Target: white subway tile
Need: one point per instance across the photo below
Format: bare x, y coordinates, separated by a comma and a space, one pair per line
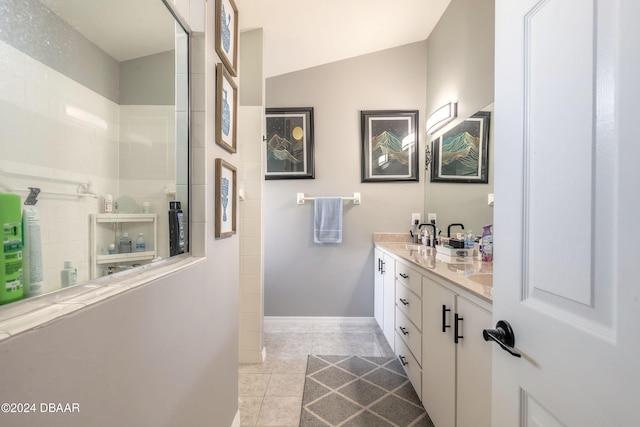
250, 283
199, 203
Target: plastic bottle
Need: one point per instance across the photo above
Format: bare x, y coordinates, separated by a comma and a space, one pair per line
140, 245
176, 229
33, 273
108, 203
469, 240
68, 275
124, 244
112, 248
11, 280
487, 243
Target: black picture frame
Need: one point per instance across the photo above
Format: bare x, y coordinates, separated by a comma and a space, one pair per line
289, 151
462, 154
390, 142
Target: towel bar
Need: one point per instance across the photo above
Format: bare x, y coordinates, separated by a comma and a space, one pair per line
301, 198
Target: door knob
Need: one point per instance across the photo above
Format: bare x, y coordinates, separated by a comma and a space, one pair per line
503, 335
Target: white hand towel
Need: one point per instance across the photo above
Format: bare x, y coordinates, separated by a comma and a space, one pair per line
327, 221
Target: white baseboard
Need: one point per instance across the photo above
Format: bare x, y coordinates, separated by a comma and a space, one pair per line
321, 319
236, 419
264, 354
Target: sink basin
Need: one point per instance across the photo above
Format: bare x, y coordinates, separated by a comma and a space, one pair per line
485, 279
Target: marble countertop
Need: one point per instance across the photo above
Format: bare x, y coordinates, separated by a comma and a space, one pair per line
453, 270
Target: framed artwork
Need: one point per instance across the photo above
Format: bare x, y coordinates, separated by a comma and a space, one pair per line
389, 145
226, 196
227, 34
289, 153
462, 153
226, 109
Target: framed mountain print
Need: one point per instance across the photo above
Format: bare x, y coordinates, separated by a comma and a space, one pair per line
289, 143
462, 154
389, 145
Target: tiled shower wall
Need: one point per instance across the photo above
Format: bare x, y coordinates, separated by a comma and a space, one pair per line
51, 126
251, 177
147, 161
251, 241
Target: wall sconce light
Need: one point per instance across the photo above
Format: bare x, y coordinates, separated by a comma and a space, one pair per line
442, 116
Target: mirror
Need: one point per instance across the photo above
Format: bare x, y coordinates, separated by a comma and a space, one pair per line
94, 112
459, 202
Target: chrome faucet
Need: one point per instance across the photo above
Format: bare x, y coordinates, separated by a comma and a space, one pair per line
453, 225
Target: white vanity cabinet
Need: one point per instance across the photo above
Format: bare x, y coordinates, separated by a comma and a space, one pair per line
378, 288
105, 228
384, 294
453, 380
456, 374
473, 382
439, 353
408, 340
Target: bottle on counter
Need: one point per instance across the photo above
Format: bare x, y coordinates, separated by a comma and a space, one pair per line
469, 240
487, 243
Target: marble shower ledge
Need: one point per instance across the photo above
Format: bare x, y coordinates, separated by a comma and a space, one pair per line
398, 245
35, 312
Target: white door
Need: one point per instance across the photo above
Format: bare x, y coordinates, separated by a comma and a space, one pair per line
567, 186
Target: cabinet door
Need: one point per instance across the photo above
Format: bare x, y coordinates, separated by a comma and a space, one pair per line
474, 367
389, 304
409, 364
438, 354
378, 288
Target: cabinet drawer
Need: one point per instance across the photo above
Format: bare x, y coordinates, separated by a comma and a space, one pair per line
410, 366
409, 334
409, 304
409, 277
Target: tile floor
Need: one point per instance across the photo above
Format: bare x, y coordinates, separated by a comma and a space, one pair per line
270, 394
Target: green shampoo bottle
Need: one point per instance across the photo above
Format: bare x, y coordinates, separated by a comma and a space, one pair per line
11, 282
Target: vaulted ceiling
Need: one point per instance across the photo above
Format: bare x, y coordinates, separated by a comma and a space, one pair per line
300, 34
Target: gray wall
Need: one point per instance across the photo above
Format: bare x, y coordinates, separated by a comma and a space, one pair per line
160, 355
58, 45
149, 80
306, 279
460, 53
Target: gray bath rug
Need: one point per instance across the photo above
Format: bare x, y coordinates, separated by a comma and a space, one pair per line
357, 391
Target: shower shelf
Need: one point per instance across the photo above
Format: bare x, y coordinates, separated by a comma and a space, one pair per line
102, 235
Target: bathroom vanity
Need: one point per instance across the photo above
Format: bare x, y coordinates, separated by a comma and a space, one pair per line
432, 310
